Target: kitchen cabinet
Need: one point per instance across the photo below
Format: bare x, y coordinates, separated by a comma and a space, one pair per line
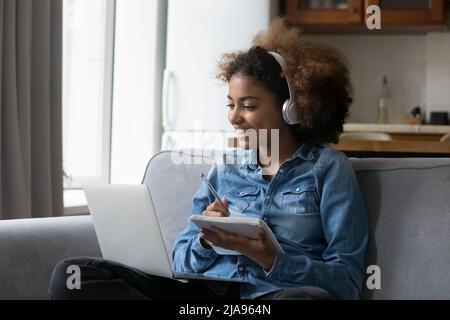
394, 148
334, 12
349, 16
410, 12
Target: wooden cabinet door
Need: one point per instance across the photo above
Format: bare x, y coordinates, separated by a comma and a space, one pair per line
410, 12
325, 12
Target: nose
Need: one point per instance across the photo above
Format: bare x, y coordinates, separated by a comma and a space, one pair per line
234, 116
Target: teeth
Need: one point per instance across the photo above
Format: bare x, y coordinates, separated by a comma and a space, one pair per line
240, 133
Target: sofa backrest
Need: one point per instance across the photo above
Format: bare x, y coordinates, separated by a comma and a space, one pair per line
408, 205
172, 187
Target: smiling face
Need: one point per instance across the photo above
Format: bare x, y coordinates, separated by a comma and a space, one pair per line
252, 106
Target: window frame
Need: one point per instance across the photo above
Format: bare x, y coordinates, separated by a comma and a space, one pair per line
76, 182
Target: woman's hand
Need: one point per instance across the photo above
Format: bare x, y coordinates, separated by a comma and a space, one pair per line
215, 209
260, 250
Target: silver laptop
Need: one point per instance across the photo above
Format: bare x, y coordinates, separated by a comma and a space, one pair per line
128, 231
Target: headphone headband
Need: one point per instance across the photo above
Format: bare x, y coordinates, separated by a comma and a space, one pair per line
280, 61
289, 110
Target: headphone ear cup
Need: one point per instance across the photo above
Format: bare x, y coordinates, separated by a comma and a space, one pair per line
289, 112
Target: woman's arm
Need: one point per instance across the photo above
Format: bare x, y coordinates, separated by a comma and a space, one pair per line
189, 253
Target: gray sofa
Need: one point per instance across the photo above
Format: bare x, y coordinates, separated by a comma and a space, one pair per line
408, 202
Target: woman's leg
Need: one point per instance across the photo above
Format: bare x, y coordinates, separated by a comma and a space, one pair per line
299, 293
104, 279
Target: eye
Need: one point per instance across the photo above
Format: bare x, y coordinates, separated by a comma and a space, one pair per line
231, 106
249, 107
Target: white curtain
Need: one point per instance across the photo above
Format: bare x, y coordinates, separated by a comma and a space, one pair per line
30, 108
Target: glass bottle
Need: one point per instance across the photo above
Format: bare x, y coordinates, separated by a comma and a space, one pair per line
384, 103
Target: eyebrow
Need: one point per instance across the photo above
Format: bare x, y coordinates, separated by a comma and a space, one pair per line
245, 98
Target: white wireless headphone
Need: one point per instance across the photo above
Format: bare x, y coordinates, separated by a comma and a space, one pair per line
289, 110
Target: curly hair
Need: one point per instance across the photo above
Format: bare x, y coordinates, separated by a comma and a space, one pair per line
319, 75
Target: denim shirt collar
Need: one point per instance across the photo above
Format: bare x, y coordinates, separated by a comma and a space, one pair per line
305, 152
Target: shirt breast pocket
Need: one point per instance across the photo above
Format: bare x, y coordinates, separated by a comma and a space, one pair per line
240, 200
300, 199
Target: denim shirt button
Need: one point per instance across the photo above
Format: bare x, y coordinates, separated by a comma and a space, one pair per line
298, 189
241, 193
241, 269
265, 218
281, 170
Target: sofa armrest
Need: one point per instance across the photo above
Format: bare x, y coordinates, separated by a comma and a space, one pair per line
30, 248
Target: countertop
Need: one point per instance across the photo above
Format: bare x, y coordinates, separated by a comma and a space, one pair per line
396, 128
417, 140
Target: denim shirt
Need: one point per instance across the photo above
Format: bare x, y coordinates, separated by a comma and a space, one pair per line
314, 207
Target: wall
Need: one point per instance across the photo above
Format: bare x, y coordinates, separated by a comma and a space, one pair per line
417, 67
438, 72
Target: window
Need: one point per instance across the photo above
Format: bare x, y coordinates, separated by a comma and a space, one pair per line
87, 90
113, 61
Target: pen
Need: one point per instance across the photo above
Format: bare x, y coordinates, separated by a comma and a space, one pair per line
211, 188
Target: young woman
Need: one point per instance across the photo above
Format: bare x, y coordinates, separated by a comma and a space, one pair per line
308, 196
